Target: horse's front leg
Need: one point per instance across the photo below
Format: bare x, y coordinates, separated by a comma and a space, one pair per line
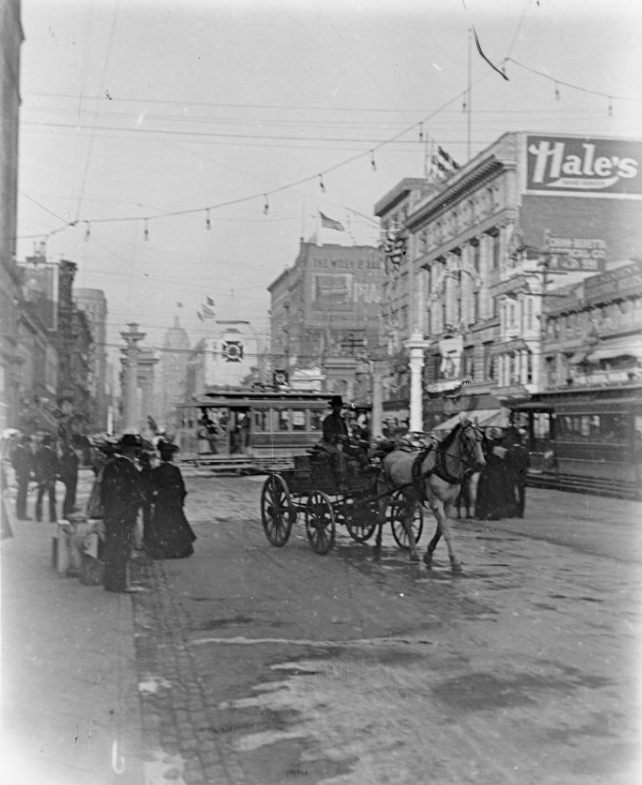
444, 525
432, 545
408, 515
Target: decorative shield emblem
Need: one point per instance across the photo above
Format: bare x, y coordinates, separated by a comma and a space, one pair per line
233, 351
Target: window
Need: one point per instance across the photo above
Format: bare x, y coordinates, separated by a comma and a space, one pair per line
475, 306
476, 254
316, 420
529, 313
496, 252
298, 419
262, 420
284, 420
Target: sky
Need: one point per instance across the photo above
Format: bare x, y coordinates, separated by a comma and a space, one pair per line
144, 122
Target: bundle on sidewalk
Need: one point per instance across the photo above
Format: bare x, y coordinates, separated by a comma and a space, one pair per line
77, 546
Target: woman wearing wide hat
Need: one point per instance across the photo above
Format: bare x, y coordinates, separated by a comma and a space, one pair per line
170, 535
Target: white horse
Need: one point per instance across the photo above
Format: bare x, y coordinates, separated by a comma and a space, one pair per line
433, 475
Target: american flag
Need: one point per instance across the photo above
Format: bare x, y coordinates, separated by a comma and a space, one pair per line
330, 223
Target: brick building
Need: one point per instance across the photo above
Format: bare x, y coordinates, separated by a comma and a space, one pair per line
488, 247
325, 310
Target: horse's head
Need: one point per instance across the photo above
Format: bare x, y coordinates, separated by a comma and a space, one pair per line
472, 440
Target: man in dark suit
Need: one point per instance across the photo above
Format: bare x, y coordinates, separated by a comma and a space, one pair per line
47, 471
517, 464
22, 461
335, 438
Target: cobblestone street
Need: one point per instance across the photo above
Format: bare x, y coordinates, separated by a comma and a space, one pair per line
260, 665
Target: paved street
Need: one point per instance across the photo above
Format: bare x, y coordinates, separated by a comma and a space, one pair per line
264, 665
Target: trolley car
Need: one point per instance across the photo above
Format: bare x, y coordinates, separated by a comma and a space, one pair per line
257, 426
589, 439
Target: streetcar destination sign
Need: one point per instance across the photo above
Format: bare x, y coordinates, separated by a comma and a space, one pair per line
584, 166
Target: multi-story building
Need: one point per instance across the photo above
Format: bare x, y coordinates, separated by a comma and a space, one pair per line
232, 356
327, 305
485, 251
93, 303
11, 38
174, 357
592, 331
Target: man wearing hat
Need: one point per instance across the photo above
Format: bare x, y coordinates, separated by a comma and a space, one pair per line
121, 495
335, 437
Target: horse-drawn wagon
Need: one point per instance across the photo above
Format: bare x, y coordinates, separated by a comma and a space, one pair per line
312, 494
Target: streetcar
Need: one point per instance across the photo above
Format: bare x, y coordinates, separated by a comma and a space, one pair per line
256, 425
590, 439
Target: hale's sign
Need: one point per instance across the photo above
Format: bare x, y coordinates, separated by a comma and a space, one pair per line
584, 166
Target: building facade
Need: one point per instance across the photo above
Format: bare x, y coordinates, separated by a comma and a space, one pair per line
488, 248
592, 332
93, 303
233, 356
326, 314
174, 357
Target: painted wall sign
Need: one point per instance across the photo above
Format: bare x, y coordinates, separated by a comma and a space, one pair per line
584, 166
576, 253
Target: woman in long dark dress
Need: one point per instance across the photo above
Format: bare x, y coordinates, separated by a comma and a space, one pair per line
494, 495
170, 535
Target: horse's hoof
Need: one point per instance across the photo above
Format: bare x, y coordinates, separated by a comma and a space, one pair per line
456, 568
414, 557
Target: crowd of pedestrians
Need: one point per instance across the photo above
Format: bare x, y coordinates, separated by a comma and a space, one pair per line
136, 500
501, 487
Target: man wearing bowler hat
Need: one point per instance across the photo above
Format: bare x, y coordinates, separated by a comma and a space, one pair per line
121, 495
335, 437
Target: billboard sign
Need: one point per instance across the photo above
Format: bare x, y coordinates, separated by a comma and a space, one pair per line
584, 166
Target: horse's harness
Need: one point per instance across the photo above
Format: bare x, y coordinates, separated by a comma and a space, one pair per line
440, 468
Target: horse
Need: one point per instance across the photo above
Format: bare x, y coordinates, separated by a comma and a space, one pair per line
433, 475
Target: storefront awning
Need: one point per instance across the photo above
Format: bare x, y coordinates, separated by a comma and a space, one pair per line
612, 352
481, 417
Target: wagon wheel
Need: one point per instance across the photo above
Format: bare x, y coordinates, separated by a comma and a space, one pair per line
360, 518
319, 522
394, 514
277, 512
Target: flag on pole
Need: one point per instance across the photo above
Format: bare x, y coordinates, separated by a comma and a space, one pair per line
209, 301
447, 160
207, 312
330, 223
179, 305
200, 315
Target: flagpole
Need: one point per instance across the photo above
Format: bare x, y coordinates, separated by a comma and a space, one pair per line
469, 96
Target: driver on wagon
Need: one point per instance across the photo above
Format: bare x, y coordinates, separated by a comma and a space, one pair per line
335, 436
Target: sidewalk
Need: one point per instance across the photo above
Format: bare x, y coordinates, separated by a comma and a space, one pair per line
70, 703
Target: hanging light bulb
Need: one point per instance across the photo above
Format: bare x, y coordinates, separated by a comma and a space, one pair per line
321, 183
208, 222
421, 132
464, 105
373, 163
610, 107
266, 206
557, 92
87, 231
146, 232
